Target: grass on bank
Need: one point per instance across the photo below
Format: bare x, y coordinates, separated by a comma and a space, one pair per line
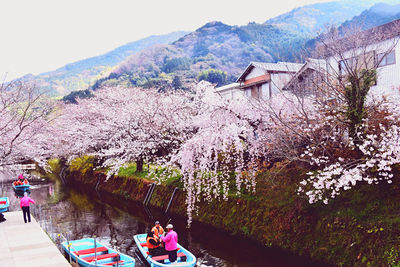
154, 173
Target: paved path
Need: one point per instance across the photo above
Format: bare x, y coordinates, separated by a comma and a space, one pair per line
26, 244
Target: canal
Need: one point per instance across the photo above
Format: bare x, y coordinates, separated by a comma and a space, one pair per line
81, 212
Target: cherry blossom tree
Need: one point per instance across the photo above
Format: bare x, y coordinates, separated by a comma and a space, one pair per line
339, 163
120, 125
213, 143
23, 119
350, 142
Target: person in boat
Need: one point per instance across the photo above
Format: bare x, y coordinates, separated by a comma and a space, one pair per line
171, 243
26, 181
154, 245
157, 230
19, 180
24, 203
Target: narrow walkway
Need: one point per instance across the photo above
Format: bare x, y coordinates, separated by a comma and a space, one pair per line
26, 244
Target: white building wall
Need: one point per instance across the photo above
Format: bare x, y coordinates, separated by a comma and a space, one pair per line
237, 94
278, 81
230, 91
255, 72
388, 77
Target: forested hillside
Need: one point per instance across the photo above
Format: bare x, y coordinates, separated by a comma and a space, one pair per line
226, 50
378, 14
215, 52
311, 19
81, 74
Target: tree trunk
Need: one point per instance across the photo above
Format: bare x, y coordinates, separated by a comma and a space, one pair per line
139, 165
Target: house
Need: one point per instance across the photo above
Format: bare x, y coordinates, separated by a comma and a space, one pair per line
230, 91
261, 80
376, 48
311, 76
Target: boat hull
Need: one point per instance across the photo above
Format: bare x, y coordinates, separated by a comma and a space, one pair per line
82, 251
185, 257
23, 188
4, 204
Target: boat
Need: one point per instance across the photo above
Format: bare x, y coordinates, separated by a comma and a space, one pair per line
4, 204
87, 254
185, 258
21, 187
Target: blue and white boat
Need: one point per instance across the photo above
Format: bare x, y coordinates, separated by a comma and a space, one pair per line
87, 254
4, 204
185, 258
21, 187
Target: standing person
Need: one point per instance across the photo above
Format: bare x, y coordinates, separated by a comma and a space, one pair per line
2, 219
25, 201
157, 230
171, 243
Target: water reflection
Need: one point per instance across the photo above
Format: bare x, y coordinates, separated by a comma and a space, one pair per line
114, 221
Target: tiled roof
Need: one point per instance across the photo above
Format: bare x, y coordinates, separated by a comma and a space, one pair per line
227, 87
280, 66
358, 39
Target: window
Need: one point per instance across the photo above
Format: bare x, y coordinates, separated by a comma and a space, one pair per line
342, 65
357, 63
386, 59
255, 92
347, 64
265, 92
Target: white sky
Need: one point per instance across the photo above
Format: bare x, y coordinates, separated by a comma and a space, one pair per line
42, 35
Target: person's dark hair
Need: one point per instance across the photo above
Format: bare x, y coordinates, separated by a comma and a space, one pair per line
150, 234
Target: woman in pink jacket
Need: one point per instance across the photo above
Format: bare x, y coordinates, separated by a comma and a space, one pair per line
25, 201
171, 243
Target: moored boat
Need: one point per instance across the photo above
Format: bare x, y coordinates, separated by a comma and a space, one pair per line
4, 204
185, 258
22, 187
87, 254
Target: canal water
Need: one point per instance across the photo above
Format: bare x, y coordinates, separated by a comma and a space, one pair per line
77, 213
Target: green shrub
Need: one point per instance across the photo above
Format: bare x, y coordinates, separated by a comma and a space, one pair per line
83, 164
213, 76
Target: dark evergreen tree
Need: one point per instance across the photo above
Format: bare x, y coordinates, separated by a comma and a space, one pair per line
177, 83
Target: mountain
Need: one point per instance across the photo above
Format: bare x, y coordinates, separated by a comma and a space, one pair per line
217, 47
230, 49
79, 75
314, 18
214, 45
378, 14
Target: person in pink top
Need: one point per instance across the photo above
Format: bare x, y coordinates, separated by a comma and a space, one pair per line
171, 243
25, 201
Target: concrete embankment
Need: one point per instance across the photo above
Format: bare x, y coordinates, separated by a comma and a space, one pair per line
26, 244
